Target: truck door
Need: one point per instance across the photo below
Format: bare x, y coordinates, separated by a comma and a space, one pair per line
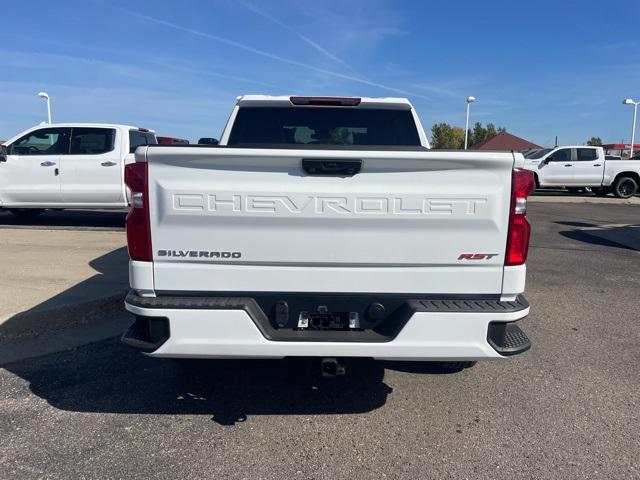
91, 172
557, 169
30, 176
588, 168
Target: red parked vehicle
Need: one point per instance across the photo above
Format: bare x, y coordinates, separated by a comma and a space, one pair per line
172, 141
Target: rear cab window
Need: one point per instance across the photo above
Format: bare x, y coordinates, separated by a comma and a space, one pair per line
301, 127
92, 141
140, 137
587, 154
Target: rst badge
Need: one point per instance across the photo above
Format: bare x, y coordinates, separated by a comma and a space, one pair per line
477, 256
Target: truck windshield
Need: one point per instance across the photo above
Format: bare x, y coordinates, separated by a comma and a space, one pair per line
534, 154
324, 126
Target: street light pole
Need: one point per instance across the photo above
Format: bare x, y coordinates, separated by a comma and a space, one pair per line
45, 95
470, 100
628, 101
633, 128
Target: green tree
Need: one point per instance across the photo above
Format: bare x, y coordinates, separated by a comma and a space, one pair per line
481, 134
478, 135
595, 142
445, 136
439, 134
457, 138
448, 137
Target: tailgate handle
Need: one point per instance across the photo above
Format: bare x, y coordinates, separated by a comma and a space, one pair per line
343, 168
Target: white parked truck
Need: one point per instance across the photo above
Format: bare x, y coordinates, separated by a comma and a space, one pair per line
584, 166
325, 227
68, 165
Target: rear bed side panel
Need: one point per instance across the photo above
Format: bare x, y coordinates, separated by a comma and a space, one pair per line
514, 280
614, 167
141, 277
251, 220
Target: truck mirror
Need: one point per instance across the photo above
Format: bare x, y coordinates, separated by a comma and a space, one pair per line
4, 151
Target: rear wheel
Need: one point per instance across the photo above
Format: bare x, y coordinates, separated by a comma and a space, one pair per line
26, 213
625, 187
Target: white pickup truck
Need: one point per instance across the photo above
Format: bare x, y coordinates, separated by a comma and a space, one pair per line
584, 166
325, 227
68, 165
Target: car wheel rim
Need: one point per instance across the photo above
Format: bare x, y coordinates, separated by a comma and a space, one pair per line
626, 188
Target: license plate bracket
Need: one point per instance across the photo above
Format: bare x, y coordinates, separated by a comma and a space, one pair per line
325, 320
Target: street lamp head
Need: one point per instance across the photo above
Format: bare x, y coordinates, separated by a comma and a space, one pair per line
471, 99
43, 95
628, 101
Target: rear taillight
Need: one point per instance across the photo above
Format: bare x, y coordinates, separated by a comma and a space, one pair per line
522, 184
138, 228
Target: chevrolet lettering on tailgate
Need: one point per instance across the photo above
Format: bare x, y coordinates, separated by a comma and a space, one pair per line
226, 204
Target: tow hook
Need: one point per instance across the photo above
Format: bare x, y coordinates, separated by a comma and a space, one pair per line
331, 368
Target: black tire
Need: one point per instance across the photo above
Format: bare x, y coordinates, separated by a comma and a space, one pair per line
625, 187
26, 213
455, 366
601, 191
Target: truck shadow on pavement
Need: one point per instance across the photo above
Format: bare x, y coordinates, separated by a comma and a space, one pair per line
107, 377
618, 236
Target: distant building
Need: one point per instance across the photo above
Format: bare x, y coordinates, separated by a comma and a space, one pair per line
506, 141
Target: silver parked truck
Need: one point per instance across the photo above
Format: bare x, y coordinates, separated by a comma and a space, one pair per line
326, 227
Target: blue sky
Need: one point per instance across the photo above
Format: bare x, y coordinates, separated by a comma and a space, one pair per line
538, 68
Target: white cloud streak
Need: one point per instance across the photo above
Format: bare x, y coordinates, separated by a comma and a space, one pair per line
272, 56
253, 8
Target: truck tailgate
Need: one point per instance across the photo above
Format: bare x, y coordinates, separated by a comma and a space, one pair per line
250, 220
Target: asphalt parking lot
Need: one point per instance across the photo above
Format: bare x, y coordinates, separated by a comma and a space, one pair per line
568, 408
